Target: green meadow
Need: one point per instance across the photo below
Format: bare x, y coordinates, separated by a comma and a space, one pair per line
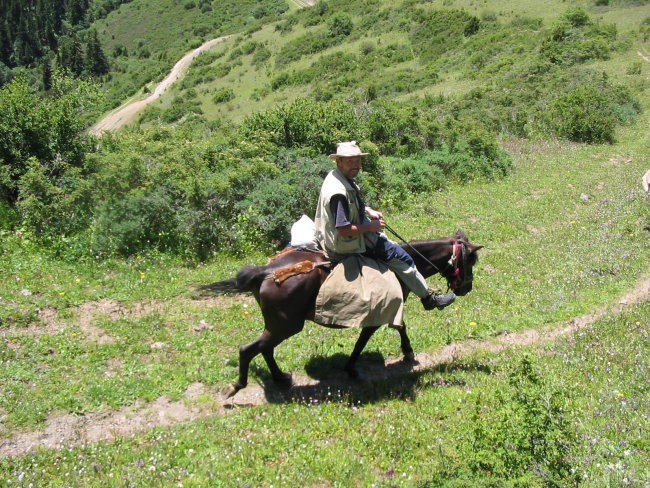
572, 411
113, 352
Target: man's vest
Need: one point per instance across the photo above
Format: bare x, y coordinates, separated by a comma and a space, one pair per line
336, 183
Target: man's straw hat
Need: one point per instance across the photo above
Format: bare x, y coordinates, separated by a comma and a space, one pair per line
347, 150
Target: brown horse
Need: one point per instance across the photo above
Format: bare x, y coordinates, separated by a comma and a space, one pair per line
286, 306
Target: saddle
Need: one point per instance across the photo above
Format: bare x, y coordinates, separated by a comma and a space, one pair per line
282, 274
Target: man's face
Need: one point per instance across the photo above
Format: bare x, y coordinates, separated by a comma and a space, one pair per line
350, 167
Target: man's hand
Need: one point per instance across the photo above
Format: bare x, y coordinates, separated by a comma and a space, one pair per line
375, 225
374, 214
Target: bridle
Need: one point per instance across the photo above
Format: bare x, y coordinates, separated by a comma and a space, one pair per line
456, 277
458, 274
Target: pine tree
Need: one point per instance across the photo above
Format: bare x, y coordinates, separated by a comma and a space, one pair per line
5, 45
46, 72
96, 62
70, 55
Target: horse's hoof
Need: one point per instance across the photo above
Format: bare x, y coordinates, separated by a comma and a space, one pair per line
409, 357
284, 380
230, 390
352, 372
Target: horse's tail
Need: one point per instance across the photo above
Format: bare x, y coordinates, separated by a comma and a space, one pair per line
248, 279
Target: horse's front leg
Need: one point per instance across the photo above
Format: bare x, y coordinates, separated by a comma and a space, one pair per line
405, 344
364, 337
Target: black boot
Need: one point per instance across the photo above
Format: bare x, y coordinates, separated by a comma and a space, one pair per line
437, 300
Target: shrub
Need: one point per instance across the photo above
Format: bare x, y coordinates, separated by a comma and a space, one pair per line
9, 217
339, 25
577, 17
575, 38
406, 177
142, 219
521, 436
179, 108
584, 114
223, 95
260, 56
54, 207
276, 203
305, 123
644, 29
50, 130
435, 32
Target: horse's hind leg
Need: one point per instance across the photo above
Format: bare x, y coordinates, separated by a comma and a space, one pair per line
246, 355
364, 337
264, 344
276, 373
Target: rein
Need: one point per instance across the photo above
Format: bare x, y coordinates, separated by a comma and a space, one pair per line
392, 231
458, 251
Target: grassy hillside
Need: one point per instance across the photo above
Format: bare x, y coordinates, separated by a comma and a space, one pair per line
95, 346
566, 234
388, 52
144, 38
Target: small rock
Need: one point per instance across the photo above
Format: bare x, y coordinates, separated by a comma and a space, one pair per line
584, 197
203, 325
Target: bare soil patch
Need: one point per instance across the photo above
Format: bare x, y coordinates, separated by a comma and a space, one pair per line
65, 430
87, 315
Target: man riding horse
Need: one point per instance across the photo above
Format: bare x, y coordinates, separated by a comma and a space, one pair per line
345, 225
289, 287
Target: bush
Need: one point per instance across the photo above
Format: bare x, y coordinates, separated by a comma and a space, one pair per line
339, 25
9, 217
408, 177
305, 123
223, 95
584, 114
575, 38
48, 129
142, 219
276, 203
521, 436
54, 207
644, 29
260, 56
435, 32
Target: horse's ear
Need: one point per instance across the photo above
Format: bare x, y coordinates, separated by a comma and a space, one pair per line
474, 248
460, 235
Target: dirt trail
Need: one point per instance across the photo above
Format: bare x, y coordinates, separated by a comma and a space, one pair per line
125, 114
65, 430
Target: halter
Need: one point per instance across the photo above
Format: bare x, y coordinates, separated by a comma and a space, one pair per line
454, 280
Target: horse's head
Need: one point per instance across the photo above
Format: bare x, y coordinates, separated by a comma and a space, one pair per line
459, 270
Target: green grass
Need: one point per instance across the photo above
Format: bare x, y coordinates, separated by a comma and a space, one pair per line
426, 429
565, 235
551, 254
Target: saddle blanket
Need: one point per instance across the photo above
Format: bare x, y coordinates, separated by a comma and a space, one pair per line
360, 292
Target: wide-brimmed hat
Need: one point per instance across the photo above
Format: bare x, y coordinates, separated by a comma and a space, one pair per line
347, 150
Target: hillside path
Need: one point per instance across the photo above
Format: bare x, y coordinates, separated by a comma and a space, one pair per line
64, 430
126, 113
